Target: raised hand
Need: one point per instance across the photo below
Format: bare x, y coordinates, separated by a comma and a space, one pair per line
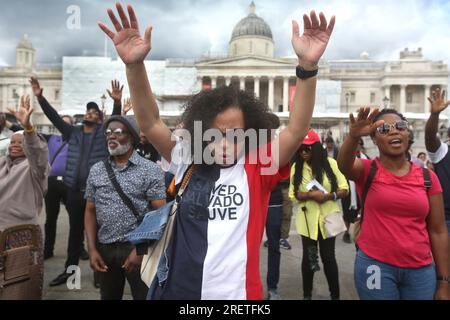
24, 113
437, 100
131, 48
37, 90
127, 106
310, 46
116, 89
363, 125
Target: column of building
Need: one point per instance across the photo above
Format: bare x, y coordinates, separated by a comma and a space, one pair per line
257, 88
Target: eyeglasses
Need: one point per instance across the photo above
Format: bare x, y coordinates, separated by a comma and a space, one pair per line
305, 149
119, 133
385, 128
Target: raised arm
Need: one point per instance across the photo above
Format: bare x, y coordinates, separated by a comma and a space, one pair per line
127, 106
438, 104
116, 95
35, 148
49, 111
309, 48
133, 49
362, 126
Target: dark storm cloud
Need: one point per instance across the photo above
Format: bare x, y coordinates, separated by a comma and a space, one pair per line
189, 29
177, 32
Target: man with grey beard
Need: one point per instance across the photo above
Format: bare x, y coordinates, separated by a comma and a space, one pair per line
119, 191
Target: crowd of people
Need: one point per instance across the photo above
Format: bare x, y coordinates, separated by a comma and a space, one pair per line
112, 172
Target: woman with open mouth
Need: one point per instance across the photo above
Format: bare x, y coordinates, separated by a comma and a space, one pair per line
402, 227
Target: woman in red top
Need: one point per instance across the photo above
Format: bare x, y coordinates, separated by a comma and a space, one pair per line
403, 227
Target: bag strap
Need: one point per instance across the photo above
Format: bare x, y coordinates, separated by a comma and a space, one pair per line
123, 196
372, 172
58, 152
426, 178
142, 248
187, 176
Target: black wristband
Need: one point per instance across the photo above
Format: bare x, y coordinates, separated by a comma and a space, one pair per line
305, 74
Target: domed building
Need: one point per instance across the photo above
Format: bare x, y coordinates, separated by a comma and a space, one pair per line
251, 36
251, 65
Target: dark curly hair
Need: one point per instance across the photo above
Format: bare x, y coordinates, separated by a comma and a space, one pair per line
384, 112
319, 165
206, 105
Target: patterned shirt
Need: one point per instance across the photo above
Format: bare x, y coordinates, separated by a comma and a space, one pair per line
141, 180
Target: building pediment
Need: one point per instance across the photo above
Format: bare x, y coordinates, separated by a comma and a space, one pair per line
246, 62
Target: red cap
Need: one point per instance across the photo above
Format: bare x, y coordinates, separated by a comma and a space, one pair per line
311, 138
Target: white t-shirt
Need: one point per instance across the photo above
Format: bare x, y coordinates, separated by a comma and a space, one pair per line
217, 257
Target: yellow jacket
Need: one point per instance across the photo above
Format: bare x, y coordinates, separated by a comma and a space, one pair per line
315, 212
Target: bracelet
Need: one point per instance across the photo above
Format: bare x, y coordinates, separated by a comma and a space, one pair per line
443, 279
31, 130
334, 196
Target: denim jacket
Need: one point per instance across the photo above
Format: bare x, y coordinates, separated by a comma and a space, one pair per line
152, 227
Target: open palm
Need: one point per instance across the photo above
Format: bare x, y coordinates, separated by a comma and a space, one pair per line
116, 91
310, 46
24, 113
127, 106
437, 100
35, 86
130, 46
363, 125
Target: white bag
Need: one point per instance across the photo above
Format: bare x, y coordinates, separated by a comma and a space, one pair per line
150, 261
334, 224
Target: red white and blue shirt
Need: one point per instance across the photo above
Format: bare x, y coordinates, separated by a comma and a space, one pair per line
214, 253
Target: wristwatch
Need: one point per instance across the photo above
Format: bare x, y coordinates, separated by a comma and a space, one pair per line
305, 74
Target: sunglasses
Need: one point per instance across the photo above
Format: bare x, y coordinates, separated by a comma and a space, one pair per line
305, 149
119, 133
385, 128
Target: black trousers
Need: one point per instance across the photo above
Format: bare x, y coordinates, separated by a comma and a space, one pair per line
112, 282
57, 193
273, 232
75, 206
327, 254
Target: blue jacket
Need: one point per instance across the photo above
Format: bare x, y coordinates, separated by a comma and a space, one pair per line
97, 152
74, 135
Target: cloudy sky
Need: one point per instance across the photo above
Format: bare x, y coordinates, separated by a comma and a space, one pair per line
192, 28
